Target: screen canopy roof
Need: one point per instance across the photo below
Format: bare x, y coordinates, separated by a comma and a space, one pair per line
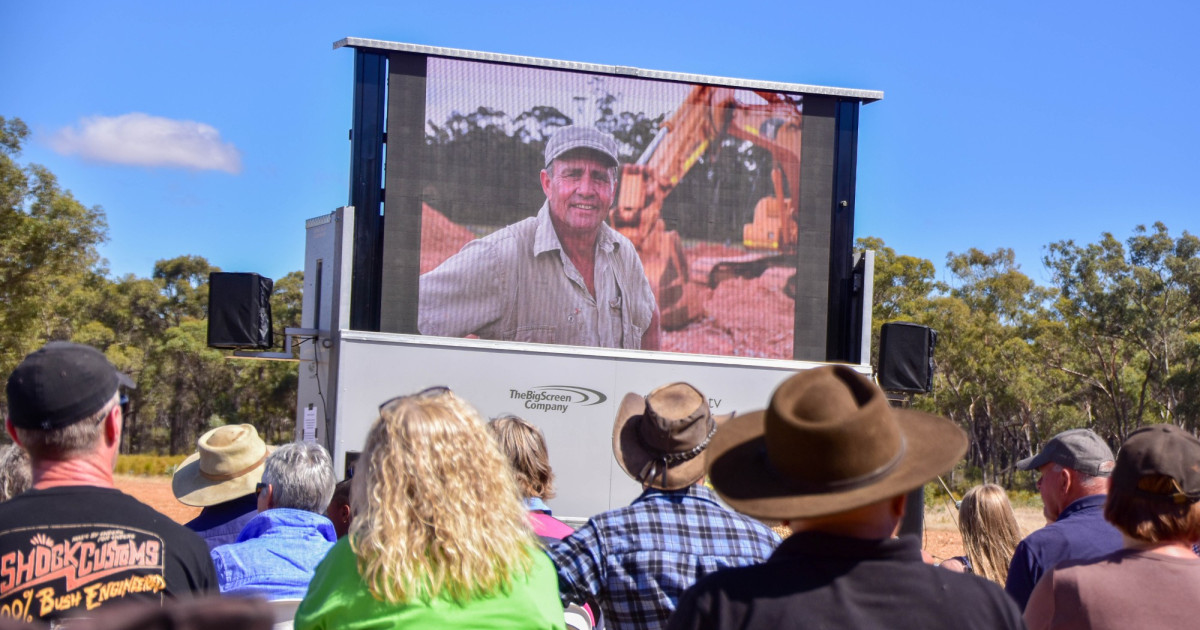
866, 96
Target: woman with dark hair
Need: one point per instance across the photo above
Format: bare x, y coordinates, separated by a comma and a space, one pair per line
989, 531
438, 537
1154, 582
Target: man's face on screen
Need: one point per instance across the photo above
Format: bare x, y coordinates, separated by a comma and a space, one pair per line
580, 191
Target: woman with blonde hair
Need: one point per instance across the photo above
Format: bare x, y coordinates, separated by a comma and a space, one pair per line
989, 531
438, 536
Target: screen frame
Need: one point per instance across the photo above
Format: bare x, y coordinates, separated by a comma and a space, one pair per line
386, 262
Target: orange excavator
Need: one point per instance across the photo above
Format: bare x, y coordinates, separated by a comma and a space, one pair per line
706, 117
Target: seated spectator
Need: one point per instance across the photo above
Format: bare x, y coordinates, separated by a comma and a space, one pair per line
1154, 582
1073, 470
220, 477
339, 507
634, 562
989, 532
525, 447
831, 457
439, 533
275, 555
85, 545
15, 476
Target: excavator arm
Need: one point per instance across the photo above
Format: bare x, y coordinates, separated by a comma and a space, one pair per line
706, 116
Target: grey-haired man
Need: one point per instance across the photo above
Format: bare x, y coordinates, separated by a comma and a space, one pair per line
1074, 469
563, 276
278, 550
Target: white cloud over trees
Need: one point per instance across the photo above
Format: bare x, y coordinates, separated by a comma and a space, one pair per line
143, 140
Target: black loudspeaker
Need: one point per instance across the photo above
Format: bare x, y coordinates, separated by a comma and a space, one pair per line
906, 357
239, 311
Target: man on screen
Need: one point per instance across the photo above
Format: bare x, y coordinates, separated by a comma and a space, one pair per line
563, 276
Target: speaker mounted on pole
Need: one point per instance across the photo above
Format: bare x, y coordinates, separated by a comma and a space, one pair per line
239, 311
906, 357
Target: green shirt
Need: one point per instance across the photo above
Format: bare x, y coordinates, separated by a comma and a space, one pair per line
338, 598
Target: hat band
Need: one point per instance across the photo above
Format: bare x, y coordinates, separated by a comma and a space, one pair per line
234, 475
660, 464
842, 485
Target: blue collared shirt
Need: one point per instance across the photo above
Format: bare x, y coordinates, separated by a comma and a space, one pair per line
636, 561
1080, 533
536, 504
275, 555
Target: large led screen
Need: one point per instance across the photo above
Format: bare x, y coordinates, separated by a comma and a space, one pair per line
688, 244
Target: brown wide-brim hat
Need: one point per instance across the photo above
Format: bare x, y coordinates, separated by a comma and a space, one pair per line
228, 464
829, 442
659, 439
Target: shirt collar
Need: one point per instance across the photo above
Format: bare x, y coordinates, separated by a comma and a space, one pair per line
693, 491
545, 239
536, 504
906, 548
1090, 502
287, 518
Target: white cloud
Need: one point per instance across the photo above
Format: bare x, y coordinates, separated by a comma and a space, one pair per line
144, 140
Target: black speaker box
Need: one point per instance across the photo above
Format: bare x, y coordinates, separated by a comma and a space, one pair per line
906, 357
239, 311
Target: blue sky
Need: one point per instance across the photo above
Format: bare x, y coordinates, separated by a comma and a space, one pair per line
1003, 124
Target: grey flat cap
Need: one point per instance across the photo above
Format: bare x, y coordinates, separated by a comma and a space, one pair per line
581, 137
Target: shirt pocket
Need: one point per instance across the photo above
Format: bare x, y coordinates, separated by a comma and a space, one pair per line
536, 334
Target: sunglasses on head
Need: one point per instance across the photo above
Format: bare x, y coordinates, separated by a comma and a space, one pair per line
428, 392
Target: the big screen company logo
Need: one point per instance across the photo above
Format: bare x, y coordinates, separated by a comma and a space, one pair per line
557, 398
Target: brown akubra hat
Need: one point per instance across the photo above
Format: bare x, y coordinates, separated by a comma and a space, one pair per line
828, 443
658, 440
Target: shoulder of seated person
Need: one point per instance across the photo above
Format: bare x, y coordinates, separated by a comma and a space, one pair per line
954, 564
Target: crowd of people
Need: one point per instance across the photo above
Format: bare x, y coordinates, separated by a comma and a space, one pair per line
447, 521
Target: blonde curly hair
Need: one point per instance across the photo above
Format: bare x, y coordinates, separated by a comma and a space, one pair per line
436, 511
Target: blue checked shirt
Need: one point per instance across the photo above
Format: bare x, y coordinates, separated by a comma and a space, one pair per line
635, 562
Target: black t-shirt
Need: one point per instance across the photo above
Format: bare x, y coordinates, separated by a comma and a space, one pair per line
66, 551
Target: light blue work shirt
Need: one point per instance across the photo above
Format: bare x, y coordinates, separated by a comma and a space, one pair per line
517, 284
275, 555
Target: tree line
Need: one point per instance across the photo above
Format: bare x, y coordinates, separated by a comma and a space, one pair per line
54, 285
1111, 344
462, 181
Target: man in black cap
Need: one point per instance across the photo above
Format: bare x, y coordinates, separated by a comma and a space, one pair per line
1073, 477
73, 542
563, 276
834, 460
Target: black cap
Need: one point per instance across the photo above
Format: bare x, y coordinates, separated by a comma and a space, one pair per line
1161, 449
59, 385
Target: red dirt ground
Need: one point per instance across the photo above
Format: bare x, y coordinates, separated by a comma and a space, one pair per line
156, 492
440, 238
